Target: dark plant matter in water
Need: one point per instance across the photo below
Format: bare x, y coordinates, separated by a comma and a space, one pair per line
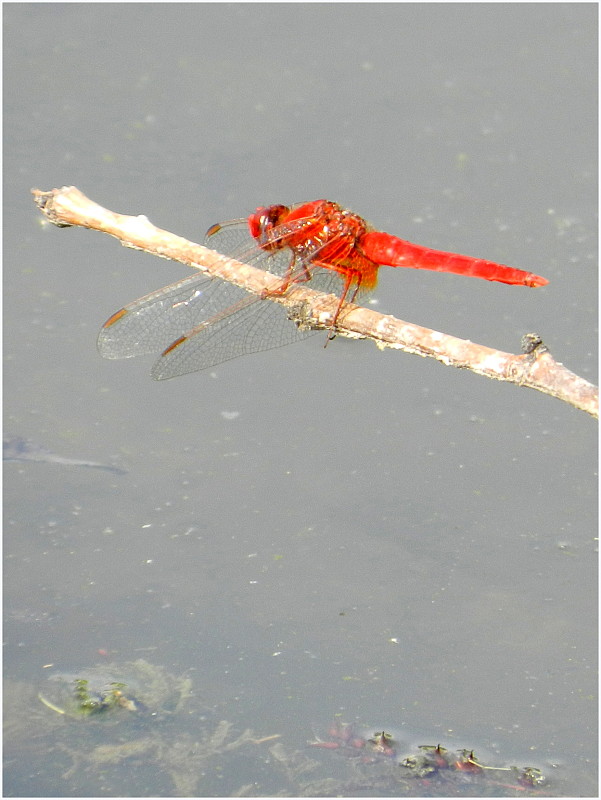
130, 728
383, 767
134, 729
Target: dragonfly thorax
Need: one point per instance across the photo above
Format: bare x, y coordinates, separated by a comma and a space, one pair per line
320, 227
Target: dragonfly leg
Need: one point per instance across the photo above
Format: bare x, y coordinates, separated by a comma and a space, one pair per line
349, 280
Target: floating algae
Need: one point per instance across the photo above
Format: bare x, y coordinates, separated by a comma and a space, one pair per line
120, 729
135, 686
134, 729
84, 700
185, 759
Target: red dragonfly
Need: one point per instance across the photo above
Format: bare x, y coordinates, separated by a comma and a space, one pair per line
199, 321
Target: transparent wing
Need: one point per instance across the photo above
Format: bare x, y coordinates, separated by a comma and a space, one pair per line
151, 323
252, 326
199, 321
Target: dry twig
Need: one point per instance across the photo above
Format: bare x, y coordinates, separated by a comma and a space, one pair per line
535, 367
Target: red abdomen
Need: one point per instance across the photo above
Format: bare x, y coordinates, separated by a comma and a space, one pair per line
391, 251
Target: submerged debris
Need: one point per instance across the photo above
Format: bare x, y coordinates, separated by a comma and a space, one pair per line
135, 686
433, 760
135, 729
16, 448
131, 724
185, 760
84, 702
431, 771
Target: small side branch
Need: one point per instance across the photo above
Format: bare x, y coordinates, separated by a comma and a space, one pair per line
535, 367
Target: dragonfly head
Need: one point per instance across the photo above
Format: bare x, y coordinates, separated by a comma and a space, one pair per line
264, 220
